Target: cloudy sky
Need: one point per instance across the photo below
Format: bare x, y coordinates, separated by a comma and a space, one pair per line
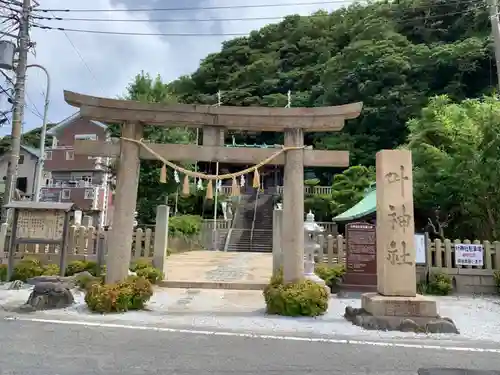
103, 64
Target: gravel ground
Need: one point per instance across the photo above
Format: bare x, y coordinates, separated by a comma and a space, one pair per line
477, 318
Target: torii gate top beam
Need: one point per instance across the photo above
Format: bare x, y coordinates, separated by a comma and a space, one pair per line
230, 117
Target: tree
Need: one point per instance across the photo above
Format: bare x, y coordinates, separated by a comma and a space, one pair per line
391, 55
348, 188
456, 156
151, 193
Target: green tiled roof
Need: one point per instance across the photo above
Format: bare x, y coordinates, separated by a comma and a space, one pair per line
365, 207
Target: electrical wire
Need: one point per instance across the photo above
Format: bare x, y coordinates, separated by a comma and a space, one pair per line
102, 32
167, 20
216, 7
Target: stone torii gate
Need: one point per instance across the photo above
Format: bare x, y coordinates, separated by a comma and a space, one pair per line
214, 121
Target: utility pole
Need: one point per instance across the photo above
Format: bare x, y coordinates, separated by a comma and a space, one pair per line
18, 111
495, 31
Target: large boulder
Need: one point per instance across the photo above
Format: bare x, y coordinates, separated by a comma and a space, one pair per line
48, 295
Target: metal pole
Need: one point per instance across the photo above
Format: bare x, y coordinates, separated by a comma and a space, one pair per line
18, 111
215, 206
41, 160
496, 36
216, 185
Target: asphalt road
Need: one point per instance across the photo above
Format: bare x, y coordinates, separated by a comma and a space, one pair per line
34, 348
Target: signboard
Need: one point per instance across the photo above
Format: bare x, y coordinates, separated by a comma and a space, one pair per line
469, 255
86, 137
40, 224
420, 249
361, 257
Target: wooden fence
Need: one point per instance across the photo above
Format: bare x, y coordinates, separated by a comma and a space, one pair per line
84, 243
440, 255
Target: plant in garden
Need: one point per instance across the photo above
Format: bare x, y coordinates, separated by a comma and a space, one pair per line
496, 278
303, 298
439, 284
331, 275
131, 294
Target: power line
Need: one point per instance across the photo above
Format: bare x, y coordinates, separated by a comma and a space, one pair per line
102, 32
198, 8
81, 58
132, 33
174, 20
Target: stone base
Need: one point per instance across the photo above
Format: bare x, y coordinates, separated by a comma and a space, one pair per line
406, 314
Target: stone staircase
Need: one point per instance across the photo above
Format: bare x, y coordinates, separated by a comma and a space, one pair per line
247, 236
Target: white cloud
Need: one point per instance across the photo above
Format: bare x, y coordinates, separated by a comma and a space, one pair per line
115, 59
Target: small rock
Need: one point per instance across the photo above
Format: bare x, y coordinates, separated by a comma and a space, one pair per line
82, 274
130, 273
49, 295
16, 285
441, 326
358, 320
349, 312
369, 322
46, 279
408, 325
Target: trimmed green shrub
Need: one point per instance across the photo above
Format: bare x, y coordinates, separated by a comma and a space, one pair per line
131, 294
331, 275
140, 264
304, 298
440, 284
26, 269
50, 270
3, 272
496, 277
187, 225
154, 275
85, 281
78, 266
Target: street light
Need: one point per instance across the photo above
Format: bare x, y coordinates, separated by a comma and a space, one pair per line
6, 56
41, 159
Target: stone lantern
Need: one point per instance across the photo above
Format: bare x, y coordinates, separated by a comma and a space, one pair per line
311, 229
135, 219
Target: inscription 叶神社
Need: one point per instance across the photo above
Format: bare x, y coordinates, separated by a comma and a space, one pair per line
397, 254
394, 177
399, 217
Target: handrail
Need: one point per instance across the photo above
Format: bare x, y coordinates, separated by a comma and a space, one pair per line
254, 216
230, 231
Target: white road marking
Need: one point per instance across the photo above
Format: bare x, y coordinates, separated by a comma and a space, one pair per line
386, 344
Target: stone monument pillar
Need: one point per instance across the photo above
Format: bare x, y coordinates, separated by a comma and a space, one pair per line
396, 256
396, 306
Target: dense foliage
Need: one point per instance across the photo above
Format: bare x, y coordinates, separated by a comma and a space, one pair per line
456, 155
392, 56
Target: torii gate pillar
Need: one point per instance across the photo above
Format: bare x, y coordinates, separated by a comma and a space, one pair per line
293, 208
120, 237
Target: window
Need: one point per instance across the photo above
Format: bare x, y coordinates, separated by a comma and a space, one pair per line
48, 155
21, 159
70, 155
66, 194
89, 194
